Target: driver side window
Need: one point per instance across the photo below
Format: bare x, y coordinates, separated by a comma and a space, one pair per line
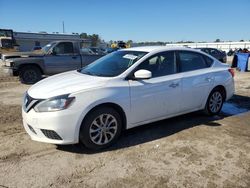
161, 64
64, 48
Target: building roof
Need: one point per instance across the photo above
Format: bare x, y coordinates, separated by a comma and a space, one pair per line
45, 36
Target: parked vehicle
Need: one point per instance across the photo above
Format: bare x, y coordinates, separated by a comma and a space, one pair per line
231, 52
124, 89
87, 51
55, 57
218, 54
110, 50
98, 51
7, 41
120, 44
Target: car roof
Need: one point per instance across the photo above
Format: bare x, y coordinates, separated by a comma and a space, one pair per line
157, 48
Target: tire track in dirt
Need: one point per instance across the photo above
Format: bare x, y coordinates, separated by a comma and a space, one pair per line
26, 156
10, 114
8, 79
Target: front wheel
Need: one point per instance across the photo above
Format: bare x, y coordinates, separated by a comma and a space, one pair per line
30, 74
101, 128
214, 102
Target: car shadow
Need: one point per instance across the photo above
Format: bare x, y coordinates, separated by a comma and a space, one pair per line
241, 101
150, 132
160, 129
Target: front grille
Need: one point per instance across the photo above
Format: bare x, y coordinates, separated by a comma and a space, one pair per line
32, 130
51, 134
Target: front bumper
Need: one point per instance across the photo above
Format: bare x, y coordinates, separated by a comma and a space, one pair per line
52, 127
7, 71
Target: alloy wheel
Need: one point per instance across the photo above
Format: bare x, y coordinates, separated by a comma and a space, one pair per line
215, 102
103, 129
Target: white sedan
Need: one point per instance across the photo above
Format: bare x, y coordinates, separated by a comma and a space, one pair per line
124, 89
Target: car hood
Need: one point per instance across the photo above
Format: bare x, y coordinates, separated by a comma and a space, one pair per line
22, 54
65, 83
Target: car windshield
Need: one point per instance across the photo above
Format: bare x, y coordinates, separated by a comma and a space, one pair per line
47, 47
113, 64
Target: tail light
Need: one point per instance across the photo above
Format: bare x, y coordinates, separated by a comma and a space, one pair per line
231, 71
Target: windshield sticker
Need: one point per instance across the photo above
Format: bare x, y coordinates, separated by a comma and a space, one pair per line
130, 56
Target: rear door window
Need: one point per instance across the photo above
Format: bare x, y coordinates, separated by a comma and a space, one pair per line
208, 60
189, 61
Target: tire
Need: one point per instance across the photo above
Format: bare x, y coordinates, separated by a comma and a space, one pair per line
30, 74
214, 102
101, 128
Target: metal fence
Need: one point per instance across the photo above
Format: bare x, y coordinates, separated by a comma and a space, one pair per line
225, 46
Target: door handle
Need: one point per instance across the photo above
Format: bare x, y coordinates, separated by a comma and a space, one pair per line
74, 57
174, 85
208, 79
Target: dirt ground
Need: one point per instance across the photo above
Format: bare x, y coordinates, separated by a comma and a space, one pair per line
187, 151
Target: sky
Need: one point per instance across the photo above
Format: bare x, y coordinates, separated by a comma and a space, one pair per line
137, 20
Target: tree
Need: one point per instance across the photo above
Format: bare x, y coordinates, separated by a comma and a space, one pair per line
129, 42
241, 40
217, 40
189, 41
95, 39
84, 35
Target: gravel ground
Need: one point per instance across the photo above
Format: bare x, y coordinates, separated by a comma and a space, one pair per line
187, 151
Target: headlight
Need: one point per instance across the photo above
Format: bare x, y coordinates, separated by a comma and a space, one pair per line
54, 104
8, 63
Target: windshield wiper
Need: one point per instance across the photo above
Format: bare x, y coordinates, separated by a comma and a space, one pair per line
87, 72
91, 73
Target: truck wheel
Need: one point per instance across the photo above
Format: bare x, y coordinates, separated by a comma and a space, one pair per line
30, 74
100, 128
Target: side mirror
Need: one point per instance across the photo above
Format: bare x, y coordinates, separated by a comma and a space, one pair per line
142, 74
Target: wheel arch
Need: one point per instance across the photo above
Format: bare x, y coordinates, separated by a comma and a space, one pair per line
30, 64
115, 106
222, 89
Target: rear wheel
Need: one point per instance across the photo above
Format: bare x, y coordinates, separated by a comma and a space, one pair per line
101, 128
30, 74
214, 102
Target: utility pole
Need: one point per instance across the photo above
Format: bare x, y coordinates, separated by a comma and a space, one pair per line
63, 27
